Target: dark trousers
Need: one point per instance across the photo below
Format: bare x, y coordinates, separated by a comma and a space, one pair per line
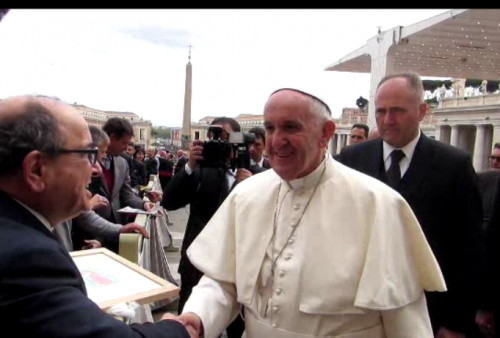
190, 276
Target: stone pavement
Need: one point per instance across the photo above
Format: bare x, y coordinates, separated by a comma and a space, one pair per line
179, 218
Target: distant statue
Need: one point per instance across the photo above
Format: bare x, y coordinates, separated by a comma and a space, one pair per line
483, 88
458, 90
442, 92
362, 103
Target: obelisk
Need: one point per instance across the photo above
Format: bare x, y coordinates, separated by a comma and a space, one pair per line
186, 122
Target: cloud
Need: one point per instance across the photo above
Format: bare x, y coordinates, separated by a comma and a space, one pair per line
163, 36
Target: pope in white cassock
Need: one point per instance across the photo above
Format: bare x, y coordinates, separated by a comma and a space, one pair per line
312, 248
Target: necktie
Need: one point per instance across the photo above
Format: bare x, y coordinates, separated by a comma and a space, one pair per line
107, 162
394, 172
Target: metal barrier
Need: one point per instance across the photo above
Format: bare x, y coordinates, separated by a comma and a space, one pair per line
150, 253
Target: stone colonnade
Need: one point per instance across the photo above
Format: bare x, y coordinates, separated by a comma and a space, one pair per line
478, 140
338, 142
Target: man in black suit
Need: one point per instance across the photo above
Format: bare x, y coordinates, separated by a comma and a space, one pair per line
438, 181
257, 148
46, 160
204, 188
181, 161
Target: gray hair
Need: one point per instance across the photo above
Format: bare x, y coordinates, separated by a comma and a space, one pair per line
316, 106
35, 128
99, 136
413, 79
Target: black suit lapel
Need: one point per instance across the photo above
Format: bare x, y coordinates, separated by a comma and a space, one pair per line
374, 161
266, 164
419, 169
10, 210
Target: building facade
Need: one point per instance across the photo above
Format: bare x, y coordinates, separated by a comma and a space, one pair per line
96, 117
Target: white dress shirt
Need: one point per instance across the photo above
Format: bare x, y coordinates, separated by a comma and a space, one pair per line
408, 150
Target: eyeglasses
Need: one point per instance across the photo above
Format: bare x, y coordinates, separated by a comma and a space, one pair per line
91, 153
494, 158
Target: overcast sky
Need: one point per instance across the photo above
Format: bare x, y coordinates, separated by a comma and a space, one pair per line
135, 60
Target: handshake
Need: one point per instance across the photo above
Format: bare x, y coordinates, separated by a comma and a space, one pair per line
191, 322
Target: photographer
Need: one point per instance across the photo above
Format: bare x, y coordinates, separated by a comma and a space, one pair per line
204, 186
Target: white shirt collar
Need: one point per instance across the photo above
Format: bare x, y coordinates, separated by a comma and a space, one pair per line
39, 216
310, 180
408, 149
261, 162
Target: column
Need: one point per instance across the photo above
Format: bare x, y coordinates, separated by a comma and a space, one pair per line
332, 147
496, 136
381, 65
437, 133
186, 120
479, 155
348, 140
339, 143
445, 134
454, 136
488, 144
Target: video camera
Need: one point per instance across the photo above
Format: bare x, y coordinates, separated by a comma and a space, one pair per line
236, 150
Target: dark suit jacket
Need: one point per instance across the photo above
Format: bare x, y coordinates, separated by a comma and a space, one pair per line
42, 293
204, 190
440, 186
121, 196
490, 299
140, 170
487, 183
152, 165
266, 164
134, 179
180, 164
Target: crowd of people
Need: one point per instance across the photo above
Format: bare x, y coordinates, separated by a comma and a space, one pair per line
387, 239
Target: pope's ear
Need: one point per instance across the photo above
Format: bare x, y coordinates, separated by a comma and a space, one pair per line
34, 168
328, 132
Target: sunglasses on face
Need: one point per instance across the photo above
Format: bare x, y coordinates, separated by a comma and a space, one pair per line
493, 158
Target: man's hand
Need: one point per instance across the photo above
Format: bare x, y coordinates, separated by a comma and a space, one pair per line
194, 331
91, 244
195, 154
149, 206
154, 196
134, 227
97, 201
485, 320
242, 174
445, 333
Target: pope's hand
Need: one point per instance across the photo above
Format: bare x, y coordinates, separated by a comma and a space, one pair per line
445, 333
191, 322
154, 196
192, 319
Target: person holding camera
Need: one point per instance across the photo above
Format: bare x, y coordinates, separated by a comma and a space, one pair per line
204, 183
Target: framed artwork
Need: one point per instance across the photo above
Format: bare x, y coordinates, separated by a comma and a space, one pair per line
111, 279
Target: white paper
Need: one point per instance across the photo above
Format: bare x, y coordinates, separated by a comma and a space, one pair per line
129, 210
107, 279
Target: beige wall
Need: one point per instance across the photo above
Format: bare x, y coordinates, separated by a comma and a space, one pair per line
96, 117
